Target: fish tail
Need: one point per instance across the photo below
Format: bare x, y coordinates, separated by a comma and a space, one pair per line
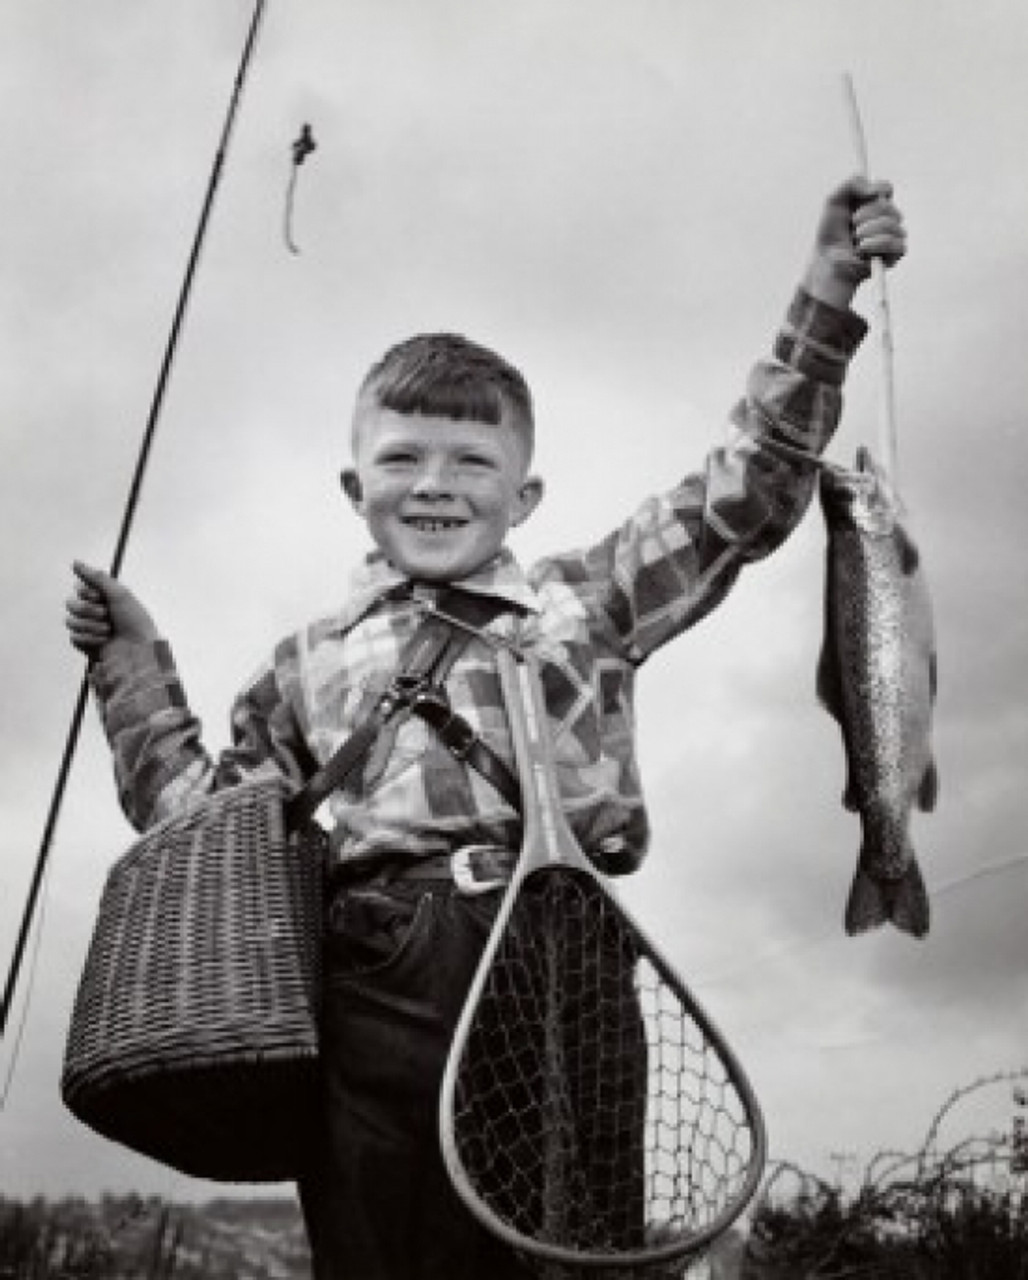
866, 906
909, 905
902, 902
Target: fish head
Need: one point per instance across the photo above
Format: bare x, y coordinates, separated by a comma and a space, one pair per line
861, 498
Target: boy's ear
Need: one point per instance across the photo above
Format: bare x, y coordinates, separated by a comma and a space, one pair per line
351, 483
529, 496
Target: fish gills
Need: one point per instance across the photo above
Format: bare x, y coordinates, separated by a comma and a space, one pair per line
877, 677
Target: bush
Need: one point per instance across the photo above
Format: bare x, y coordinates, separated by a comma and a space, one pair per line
958, 1214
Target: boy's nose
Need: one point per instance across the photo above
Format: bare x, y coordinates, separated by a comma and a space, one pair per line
433, 478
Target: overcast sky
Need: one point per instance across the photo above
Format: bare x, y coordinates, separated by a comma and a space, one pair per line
619, 195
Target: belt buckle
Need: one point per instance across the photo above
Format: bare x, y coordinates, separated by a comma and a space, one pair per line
463, 872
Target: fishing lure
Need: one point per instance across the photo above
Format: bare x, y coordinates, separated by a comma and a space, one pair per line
301, 149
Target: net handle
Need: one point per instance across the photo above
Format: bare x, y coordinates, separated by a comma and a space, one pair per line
524, 700
547, 838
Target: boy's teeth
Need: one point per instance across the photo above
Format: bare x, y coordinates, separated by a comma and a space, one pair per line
435, 526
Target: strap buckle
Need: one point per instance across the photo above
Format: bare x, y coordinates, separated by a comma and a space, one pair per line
463, 866
454, 731
402, 691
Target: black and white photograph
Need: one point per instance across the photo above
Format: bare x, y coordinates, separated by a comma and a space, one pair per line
561, 464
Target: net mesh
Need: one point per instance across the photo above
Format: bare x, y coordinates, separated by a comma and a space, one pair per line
591, 1111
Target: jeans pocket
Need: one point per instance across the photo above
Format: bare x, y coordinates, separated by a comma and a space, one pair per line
371, 930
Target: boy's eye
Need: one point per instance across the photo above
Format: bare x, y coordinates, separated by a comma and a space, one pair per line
476, 460
397, 457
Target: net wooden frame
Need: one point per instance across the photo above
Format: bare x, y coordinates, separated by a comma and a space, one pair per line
591, 1114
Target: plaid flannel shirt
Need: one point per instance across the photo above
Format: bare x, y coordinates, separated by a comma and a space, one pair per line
591, 617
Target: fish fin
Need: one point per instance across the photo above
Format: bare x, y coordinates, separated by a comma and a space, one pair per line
910, 557
928, 791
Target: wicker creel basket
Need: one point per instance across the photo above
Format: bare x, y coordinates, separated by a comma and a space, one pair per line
193, 1037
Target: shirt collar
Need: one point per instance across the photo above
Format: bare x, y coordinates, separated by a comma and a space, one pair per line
376, 579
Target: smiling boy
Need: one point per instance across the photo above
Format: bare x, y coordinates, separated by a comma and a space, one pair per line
442, 446
438, 493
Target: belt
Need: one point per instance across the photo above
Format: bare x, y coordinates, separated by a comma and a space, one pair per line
473, 869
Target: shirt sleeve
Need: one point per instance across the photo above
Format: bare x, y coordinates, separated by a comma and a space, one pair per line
161, 765
679, 554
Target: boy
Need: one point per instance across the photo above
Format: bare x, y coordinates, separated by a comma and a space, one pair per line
442, 443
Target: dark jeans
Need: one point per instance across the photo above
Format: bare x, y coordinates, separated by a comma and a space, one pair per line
376, 1198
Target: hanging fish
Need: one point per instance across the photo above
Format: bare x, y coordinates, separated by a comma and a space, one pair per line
877, 677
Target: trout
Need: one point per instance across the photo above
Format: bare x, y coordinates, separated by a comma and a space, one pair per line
877, 677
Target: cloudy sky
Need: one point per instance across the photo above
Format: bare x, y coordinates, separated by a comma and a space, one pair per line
620, 196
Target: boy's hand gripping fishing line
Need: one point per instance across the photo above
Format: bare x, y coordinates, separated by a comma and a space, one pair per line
591, 1114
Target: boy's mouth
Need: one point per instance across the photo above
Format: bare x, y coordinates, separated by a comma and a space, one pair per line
433, 524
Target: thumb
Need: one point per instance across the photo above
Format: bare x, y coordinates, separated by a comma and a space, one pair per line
858, 190
101, 583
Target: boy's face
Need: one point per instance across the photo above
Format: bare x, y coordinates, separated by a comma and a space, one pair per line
438, 494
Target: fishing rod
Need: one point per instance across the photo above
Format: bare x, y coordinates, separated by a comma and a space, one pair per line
132, 502
888, 436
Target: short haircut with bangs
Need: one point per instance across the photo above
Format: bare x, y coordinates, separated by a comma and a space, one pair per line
445, 375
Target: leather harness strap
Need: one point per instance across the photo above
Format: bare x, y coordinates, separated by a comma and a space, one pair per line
417, 689
464, 744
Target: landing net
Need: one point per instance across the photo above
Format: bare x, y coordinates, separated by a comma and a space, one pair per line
598, 1120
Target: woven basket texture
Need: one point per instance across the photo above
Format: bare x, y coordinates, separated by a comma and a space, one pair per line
193, 1036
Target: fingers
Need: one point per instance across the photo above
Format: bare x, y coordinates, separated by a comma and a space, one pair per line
873, 221
878, 230
87, 618
87, 615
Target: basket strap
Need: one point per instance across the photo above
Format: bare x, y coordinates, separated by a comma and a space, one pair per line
417, 688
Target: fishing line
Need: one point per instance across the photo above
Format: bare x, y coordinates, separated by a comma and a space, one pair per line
993, 869
774, 954
131, 505
33, 969
302, 148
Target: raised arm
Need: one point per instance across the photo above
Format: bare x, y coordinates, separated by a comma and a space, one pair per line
677, 557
